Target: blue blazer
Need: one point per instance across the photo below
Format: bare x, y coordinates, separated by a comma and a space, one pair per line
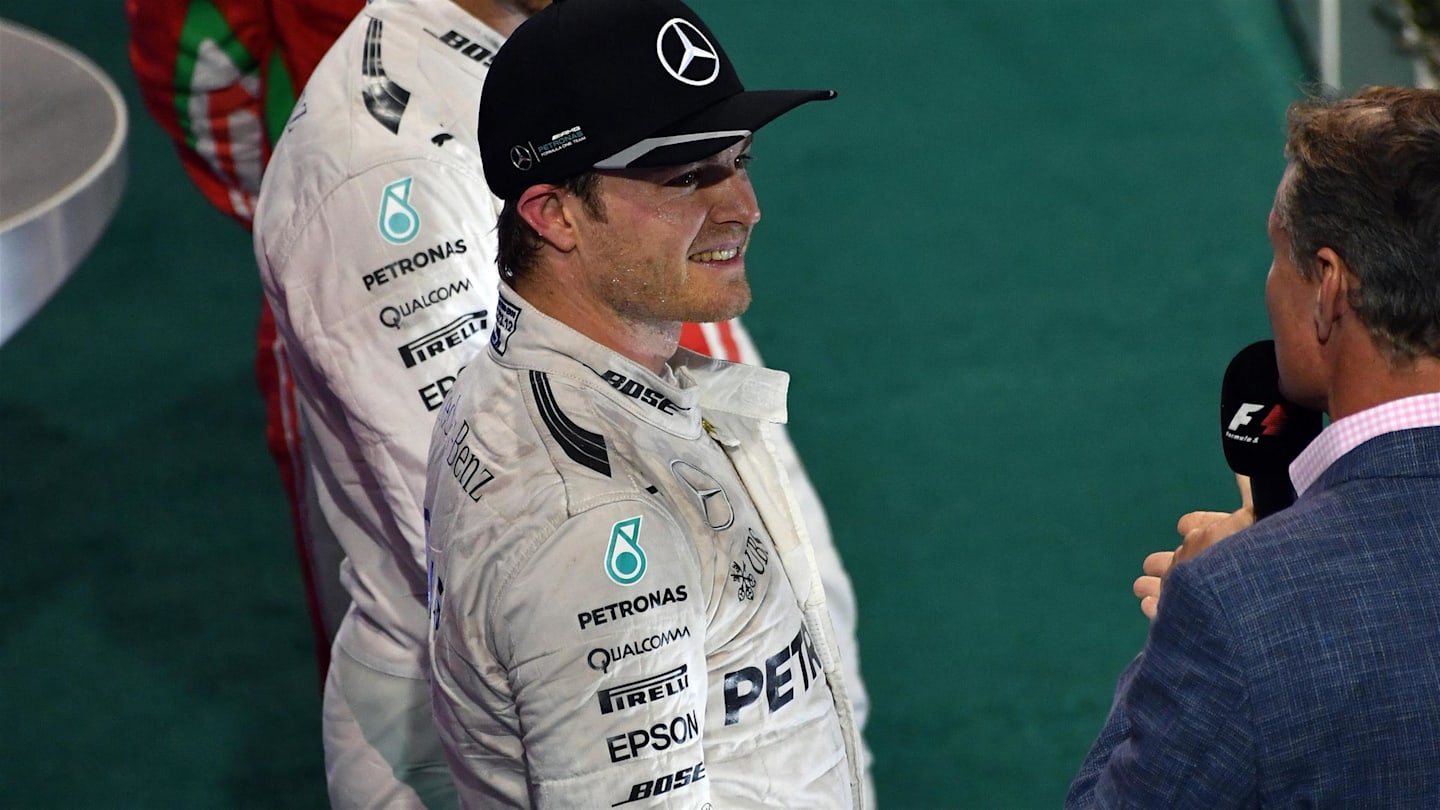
1296, 664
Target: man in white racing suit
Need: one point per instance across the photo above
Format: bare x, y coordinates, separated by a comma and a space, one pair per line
374, 235
626, 609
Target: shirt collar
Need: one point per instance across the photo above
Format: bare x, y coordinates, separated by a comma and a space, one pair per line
1344, 435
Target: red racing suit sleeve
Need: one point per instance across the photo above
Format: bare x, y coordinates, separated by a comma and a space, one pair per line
305, 30
209, 73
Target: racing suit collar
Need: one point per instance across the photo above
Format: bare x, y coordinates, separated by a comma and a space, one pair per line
465, 42
525, 337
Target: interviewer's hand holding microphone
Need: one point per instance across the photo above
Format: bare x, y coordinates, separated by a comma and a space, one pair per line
1262, 432
1199, 531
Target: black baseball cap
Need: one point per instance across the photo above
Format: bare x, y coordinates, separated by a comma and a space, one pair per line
614, 84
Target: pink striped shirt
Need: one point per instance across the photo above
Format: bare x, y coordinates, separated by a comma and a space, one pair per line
1344, 435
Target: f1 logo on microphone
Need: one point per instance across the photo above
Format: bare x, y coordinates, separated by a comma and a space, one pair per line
1243, 416
1274, 421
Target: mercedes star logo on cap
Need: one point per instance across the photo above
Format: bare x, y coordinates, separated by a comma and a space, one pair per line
692, 59
522, 157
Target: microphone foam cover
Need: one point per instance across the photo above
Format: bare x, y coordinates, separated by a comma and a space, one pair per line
1261, 430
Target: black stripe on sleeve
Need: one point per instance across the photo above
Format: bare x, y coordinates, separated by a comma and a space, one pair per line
384, 99
582, 446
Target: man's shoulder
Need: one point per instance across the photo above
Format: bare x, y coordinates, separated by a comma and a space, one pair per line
337, 148
521, 469
1336, 549
588, 450
1399, 459
371, 201
367, 122
542, 430
1359, 495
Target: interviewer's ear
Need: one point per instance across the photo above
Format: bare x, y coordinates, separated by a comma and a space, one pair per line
1332, 293
543, 208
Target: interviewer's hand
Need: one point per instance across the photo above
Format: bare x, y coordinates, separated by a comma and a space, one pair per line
1199, 531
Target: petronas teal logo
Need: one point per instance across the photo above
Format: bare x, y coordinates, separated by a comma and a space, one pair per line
399, 222
625, 560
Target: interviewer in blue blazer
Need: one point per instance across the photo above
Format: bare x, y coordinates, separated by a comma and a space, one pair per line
1297, 663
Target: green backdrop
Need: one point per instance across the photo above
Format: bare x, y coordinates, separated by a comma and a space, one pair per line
1006, 269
